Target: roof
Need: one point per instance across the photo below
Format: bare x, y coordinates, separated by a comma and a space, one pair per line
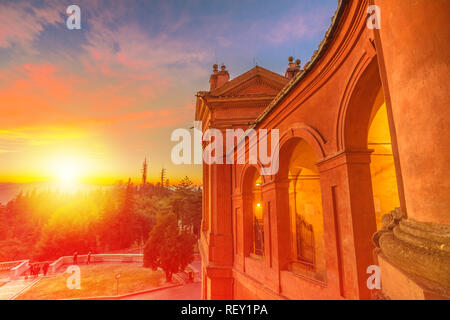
237, 86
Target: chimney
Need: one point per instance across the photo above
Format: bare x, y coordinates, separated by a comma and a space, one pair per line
293, 69
218, 78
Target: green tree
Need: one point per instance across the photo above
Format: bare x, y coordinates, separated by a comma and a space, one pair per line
187, 205
167, 247
144, 172
146, 209
127, 219
3, 223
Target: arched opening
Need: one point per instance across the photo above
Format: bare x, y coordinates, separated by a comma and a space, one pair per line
307, 248
382, 166
253, 214
372, 165
367, 126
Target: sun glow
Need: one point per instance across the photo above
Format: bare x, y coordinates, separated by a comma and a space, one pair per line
69, 171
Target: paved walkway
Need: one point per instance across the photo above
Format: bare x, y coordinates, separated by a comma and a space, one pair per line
187, 291
12, 288
190, 291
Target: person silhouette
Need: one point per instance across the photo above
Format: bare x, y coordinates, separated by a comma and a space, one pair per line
45, 268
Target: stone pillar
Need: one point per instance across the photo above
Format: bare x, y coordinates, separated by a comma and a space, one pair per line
277, 192
247, 224
348, 206
413, 51
277, 230
219, 242
205, 206
412, 47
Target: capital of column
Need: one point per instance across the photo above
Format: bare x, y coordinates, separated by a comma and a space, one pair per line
344, 157
275, 185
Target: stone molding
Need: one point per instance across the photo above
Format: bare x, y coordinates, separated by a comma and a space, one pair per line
421, 250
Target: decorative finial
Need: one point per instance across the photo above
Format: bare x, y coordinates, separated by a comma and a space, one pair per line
215, 67
291, 59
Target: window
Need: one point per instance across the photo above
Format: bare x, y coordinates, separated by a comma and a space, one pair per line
258, 219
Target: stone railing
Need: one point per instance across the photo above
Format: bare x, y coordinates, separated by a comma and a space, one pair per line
55, 265
6, 266
96, 258
18, 270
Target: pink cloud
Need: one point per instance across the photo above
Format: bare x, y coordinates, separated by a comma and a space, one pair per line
21, 23
116, 49
295, 27
45, 94
224, 42
118, 85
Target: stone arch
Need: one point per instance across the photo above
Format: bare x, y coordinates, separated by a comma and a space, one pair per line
356, 109
246, 172
253, 234
300, 188
374, 176
362, 99
299, 131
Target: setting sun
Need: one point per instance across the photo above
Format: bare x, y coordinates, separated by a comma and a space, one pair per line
68, 172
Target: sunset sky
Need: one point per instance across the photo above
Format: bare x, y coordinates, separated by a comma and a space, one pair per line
102, 98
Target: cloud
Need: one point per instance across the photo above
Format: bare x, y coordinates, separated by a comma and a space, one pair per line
127, 77
44, 95
224, 42
21, 22
296, 27
127, 48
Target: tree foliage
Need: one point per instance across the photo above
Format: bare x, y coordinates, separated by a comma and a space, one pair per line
187, 205
45, 225
167, 247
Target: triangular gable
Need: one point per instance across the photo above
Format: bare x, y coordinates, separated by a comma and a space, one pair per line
257, 81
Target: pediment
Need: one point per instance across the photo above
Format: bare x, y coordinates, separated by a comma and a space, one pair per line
256, 82
255, 86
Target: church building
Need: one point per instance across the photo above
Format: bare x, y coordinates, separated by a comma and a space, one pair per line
362, 190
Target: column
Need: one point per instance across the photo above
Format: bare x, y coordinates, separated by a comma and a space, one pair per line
412, 47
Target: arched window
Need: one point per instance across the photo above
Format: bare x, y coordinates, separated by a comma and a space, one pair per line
382, 165
305, 210
253, 214
258, 220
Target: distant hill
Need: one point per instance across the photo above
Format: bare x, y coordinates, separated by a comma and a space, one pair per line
9, 190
